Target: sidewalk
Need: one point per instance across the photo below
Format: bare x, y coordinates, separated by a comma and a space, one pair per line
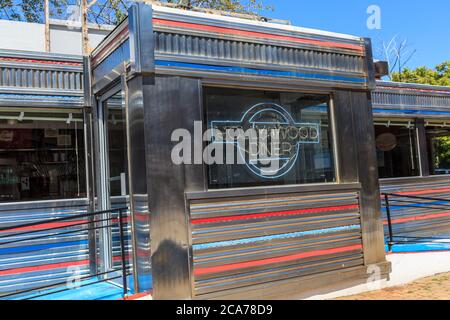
432, 288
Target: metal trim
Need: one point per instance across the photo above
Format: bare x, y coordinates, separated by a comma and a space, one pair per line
244, 192
253, 25
413, 180
114, 39
370, 67
289, 289
142, 51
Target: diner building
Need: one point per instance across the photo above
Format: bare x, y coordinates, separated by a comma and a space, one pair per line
82, 135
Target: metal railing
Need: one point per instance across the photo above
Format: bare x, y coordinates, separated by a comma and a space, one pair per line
432, 212
19, 242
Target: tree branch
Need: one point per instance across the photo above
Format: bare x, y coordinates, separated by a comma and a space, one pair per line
92, 3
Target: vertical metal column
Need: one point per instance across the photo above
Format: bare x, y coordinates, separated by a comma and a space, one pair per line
367, 166
88, 143
122, 254
168, 182
389, 219
89, 160
140, 75
371, 219
140, 216
105, 237
422, 148
357, 157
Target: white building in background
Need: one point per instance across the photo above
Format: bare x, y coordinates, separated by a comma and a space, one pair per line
65, 36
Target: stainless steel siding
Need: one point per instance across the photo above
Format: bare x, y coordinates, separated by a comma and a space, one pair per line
121, 202
34, 263
43, 78
243, 242
240, 52
382, 98
415, 219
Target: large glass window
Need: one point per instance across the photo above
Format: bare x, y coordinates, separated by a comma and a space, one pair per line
396, 145
41, 155
302, 152
438, 142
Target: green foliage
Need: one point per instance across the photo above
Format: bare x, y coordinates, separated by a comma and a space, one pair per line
440, 75
112, 11
239, 6
442, 152
29, 10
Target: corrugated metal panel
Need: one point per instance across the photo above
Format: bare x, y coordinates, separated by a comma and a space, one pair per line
142, 234
394, 99
40, 262
46, 73
419, 219
121, 202
212, 48
242, 242
37, 78
390, 95
238, 52
53, 258
40, 80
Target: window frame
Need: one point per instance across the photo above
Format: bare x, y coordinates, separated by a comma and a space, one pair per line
332, 130
400, 122
65, 113
434, 123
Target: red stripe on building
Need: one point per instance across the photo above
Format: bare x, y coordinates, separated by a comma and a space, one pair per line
261, 35
137, 296
413, 89
44, 267
419, 218
421, 192
274, 214
124, 219
242, 265
49, 225
23, 60
100, 55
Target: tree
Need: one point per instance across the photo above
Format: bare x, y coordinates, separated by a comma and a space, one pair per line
440, 75
239, 6
29, 10
397, 52
111, 11
442, 152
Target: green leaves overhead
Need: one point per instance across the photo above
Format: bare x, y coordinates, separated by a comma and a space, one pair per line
440, 75
111, 11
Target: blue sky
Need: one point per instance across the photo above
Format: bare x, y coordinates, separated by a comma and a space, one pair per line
426, 24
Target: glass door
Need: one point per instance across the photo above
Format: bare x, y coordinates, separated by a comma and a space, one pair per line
112, 167
116, 146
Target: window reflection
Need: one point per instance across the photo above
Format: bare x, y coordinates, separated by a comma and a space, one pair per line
41, 155
396, 146
438, 142
117, 145
307, 127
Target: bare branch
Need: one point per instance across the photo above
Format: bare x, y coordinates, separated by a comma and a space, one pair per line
92, 3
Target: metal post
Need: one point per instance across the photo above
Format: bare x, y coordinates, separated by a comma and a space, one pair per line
388, 213
122, 251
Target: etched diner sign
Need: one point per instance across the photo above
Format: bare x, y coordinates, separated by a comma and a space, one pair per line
267, 138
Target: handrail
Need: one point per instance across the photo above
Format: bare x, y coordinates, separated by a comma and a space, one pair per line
389, 198
388, 213
16, 231
84, 215
417, 197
